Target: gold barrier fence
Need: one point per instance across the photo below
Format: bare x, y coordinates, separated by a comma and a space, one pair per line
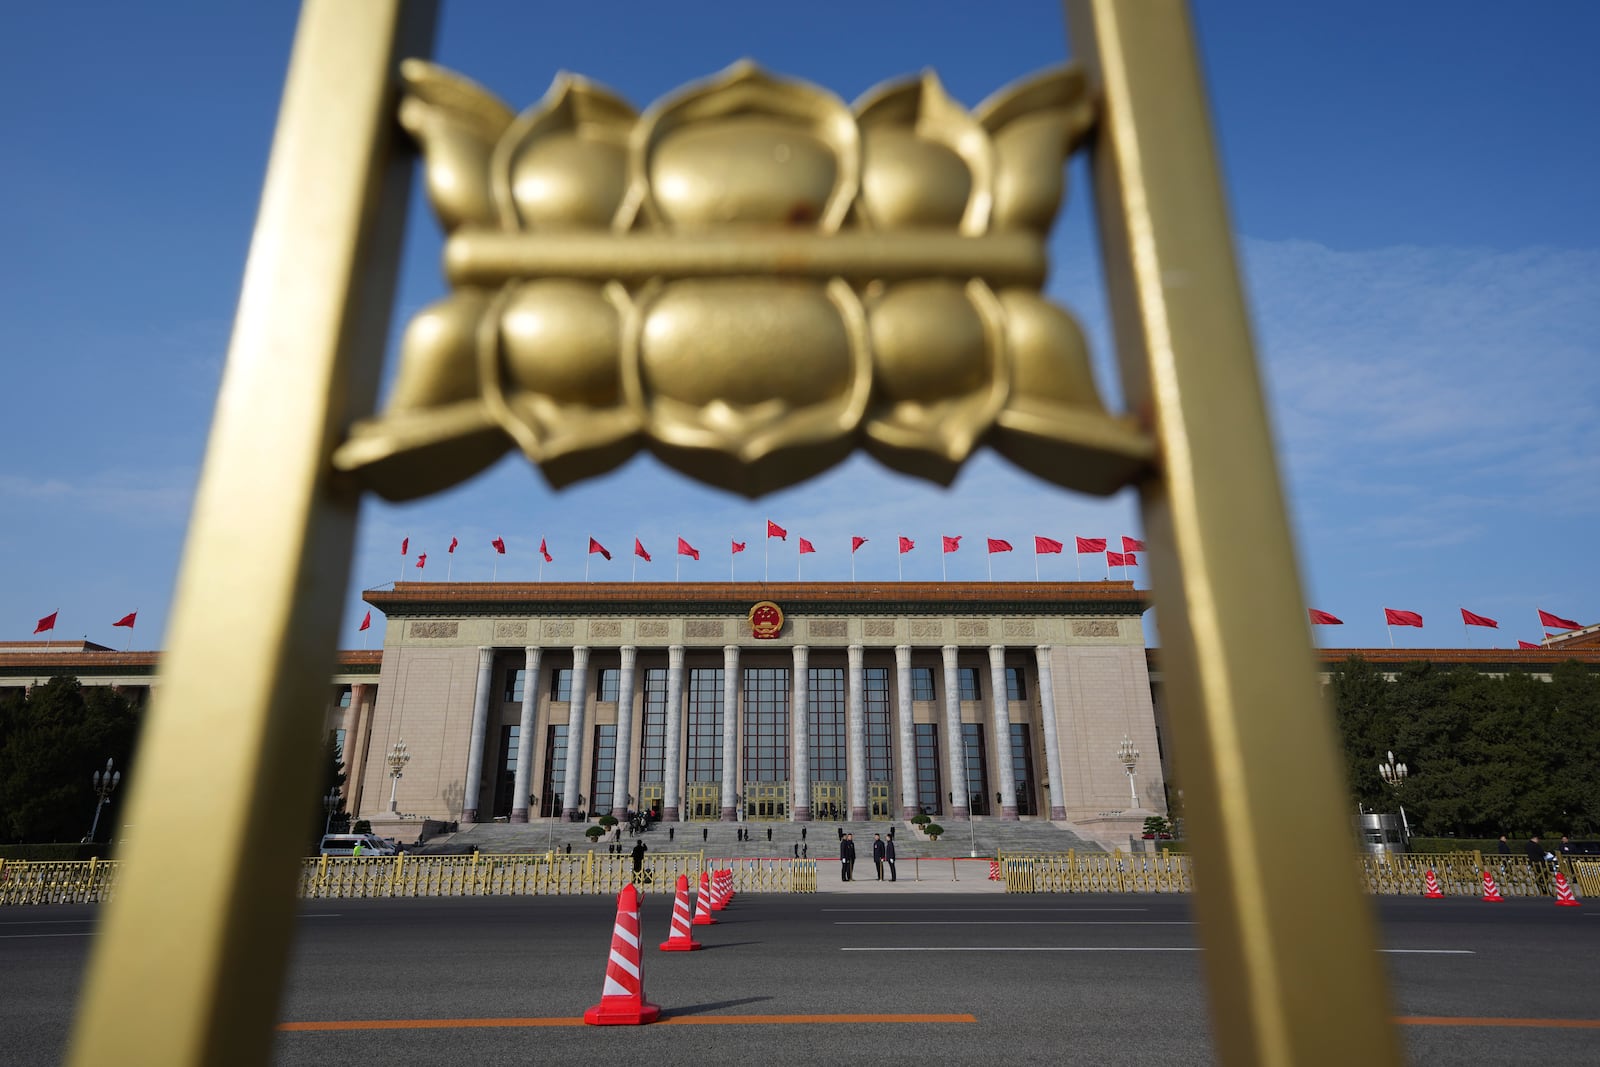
1458, 873
348, 878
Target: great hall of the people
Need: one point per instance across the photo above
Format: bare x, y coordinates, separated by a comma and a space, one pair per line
750, 701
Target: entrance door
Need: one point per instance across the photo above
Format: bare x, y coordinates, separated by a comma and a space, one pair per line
878, 801
766, 801
650, 796
705, 800
827, 801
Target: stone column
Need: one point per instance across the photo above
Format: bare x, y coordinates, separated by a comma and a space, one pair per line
1052, 745
672, 771
480, 725
800, 738
855, 749
1005, 773
730, 722
908, 732
620, 789
952, 736
530, 704
577, 709
357, 724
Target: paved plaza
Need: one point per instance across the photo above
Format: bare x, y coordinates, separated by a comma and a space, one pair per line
880, 972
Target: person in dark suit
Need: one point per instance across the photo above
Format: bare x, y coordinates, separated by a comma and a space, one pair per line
877, 854
847, 857
888, 854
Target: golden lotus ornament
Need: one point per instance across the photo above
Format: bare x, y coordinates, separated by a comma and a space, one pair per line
751, 280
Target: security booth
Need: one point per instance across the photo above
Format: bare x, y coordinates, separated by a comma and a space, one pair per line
1380, 832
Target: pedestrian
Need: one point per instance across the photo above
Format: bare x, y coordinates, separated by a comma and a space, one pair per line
847, 857
1566, 845
639, 849
878, 854
355, 852
1541, 862
769, 833
891, 833
841, 833
671, 832
802, 833
888, 854
1505, 846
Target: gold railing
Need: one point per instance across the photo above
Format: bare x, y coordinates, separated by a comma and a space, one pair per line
347, 878
1097, 872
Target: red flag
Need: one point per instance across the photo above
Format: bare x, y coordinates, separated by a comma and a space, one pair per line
1556, 622
997, 545
1392, 617
906, 545
1131, 544
857, 542
686, 549
953, 544
596, 546
738, 546
806, 546
1118, 559
46, 623
127, 620
638, 550
1470, 619
366, 623
453, 544
774, 530
1322, 618
405, 546
1528, 644
422, 561
499, 544
1047, 545
1091, 545
545, 552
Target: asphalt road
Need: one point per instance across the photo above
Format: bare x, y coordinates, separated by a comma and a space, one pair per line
1098, 979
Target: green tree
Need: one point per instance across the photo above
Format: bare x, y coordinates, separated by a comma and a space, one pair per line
51, 742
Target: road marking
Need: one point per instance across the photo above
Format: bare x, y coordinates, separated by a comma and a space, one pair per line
1014, 948
669, 1020
19, 937
913, 911
1012, 922
1469, 1020
1429, 951
45, 922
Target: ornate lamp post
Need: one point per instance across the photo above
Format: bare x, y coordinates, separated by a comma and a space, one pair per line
1129, 756
966, 783
330, 804
1394, 776
398, 758
104, 783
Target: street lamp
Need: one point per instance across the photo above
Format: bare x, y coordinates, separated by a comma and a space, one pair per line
330, 804
104, 782
1130, 759
1394, 775
398, 758
966, 783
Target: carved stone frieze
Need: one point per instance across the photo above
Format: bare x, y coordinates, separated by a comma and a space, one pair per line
511, 630
434, 629
1095, 628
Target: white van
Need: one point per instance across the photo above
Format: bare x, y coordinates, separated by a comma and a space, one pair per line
345, 845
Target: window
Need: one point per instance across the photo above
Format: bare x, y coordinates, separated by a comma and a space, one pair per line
705, 724
1022, 768
875, 694
766, 724
826, 726
930, 798
561, 684
653, 727
338, 747
515, 678
555, 770
921, 683
1016, 684
610, 677
505, 784
969, 683
344, 698
604, 776
972, 756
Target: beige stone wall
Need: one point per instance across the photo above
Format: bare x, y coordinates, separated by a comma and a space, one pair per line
1103, 693
424, 697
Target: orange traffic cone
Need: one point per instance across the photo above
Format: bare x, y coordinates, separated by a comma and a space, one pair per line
622, 1001
1564, 897
1433, 892
994, 870
681, 940
719, 891
1489, 891
727, 885
702, 903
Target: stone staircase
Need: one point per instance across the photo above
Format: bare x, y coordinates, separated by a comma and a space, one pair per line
983, 837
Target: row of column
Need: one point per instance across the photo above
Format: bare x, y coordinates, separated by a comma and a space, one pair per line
800, 739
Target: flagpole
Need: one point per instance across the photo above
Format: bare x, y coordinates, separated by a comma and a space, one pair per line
1386, 626
944, 573
1080, 558
900, 564
586, 560
766, 554
852, 564
126, 645
677, 565
990, 562
1036, 561
732, 555
633, 575
496, 575
1108, 566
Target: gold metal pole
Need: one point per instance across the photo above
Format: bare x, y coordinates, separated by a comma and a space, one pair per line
189, 963
1291, 955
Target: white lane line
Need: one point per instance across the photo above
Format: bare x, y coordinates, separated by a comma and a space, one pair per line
45, 922
1112, 948
1012, 922
929, 911
322, 915
1429, 951
19, 937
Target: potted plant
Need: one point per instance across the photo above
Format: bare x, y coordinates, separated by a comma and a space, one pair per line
593, 833
608, 821
933, 830
1156, 826
920, 821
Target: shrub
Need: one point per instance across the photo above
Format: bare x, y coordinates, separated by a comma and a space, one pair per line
362, 826
921, 820
593, 833
608, 821
933, 830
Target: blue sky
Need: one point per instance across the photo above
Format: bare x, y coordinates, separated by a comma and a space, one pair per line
1412, 186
